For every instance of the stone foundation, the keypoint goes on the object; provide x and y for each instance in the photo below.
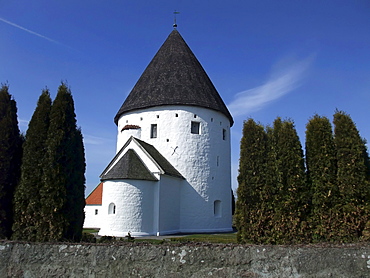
(191, 260)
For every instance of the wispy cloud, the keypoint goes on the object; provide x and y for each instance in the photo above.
(94, 140)
(28, 31)
(284, 78)
(23, 124)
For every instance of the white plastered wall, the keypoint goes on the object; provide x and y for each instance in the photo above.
(92, 220)
(169, 205)
(203, 159)
(134, 212)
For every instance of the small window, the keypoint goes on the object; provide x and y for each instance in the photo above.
(217, 210)
(153, 131)
(96, 212)
(195, 115)
(157, 116)
(218, 160)
(211, 119)
(176, 115)
(112, 208)
(195, 127)
(224, 134)
(141, 118)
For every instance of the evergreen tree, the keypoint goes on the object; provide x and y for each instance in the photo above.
(76, 191)
(27, 201)
(352, 179)
(321, 177)
(10, 159)
(63, 186)
(291, 198)
(253, 207)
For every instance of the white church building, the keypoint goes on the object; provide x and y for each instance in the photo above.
(172, 169)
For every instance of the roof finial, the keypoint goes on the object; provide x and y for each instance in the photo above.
(174, 19)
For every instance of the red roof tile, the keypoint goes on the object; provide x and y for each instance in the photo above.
(95, 197)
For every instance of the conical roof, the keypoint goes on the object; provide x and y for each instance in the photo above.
(174, 77)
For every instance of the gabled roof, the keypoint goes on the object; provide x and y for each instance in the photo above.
(130, 166)
(95, 197)
(174, 77)
(162, 162)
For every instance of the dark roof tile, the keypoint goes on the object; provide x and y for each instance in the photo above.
(166, 166)
(174, 77)
(129, 166)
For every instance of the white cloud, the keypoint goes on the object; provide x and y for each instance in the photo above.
(283, 80)
(23, 124)
(28, 31)
(94, 140)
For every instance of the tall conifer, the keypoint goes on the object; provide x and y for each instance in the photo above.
(321, 177)
(253, 210)
(291, 199)
(27, 203)
(64, 173)
(352, 178)
(10, 159)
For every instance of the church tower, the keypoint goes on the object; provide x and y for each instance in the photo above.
(172, 170)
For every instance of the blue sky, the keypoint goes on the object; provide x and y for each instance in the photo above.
(266, 58)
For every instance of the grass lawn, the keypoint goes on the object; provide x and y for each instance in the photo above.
(90, 231)
(206, 238)
(211, 238)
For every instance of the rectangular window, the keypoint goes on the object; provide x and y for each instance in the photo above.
(153, 131)
(96, 212)
(224, 134)
(195, 127)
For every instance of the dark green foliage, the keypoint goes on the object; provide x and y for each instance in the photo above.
(63, 186)
(27, 201)
(279, 202)
(232, 202)
(10, 159)
(253, 208)
(76, 190)
(352, 207)
(291, 198)
(87, 237)
(321, 177)
(272, 204)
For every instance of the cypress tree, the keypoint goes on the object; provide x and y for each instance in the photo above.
(352, 179)
(253, 211)
(64, 173)
(291, 198)
(321, 177)
(76, 191)
(10, 159)
(27, 201)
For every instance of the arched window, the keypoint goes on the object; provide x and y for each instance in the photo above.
(217, 210)
(112, 208)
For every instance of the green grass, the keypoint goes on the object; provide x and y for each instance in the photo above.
(90, 231)
(208, 238)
